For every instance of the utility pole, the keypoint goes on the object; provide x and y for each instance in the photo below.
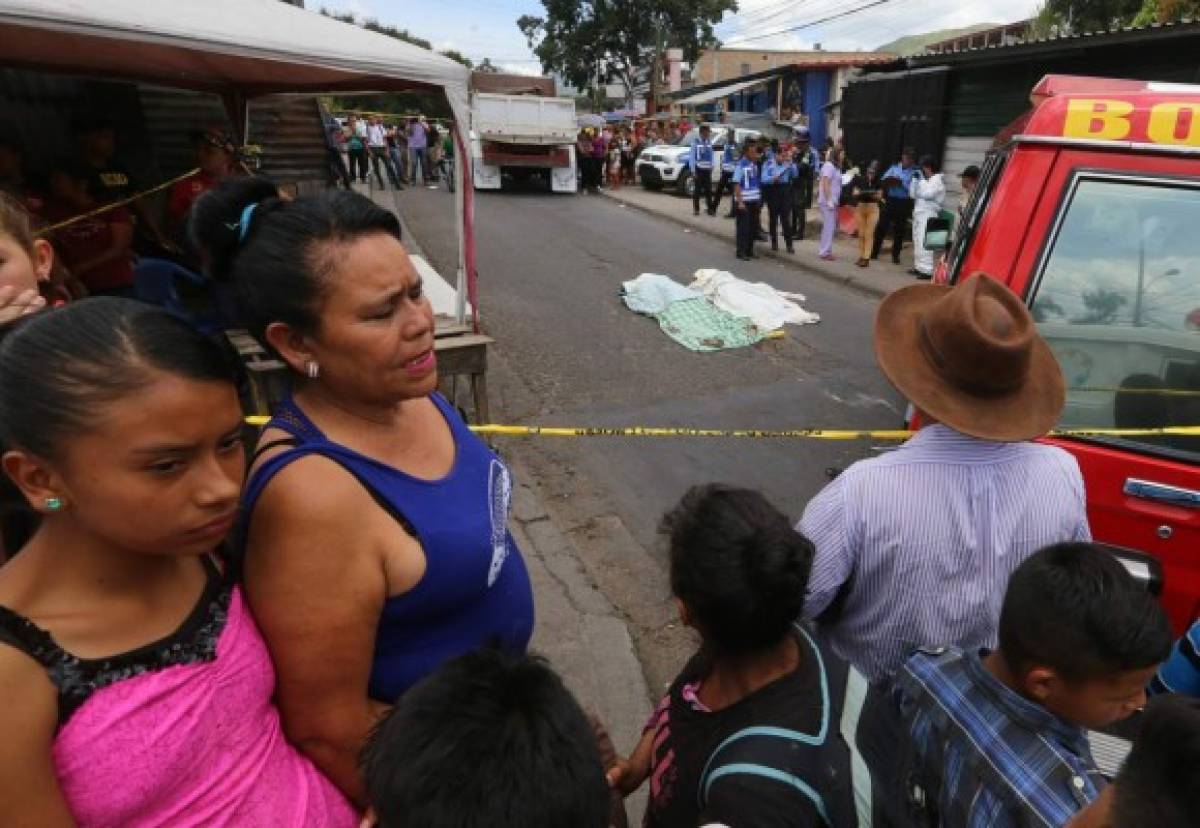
(656, 64)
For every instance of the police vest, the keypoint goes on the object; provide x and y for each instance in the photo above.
(747, 179)
(704, 154)
(727, 163)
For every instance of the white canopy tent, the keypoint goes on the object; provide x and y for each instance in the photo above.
(238, 49)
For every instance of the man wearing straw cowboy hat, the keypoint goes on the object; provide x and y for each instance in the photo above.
(915, 547)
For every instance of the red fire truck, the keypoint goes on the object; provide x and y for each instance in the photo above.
(1088, 207)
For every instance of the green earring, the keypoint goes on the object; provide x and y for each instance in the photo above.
(54, 504)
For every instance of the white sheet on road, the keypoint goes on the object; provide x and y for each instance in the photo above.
(769, 309)
(651, 293)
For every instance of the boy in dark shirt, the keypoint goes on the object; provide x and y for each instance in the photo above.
(748, 735)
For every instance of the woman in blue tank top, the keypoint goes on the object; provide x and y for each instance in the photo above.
(375, 523)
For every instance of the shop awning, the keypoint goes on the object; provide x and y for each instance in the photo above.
(720, 92)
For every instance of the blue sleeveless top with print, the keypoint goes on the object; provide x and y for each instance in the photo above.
(475, 591)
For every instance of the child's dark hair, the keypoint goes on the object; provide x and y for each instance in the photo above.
(278, 255)
(1074, 608)
(489, 740)
(1159, 783)
(738, 566)
(59, 368)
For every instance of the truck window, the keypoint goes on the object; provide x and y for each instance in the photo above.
(1118, 300)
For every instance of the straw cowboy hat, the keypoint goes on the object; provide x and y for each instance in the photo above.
(970, 357)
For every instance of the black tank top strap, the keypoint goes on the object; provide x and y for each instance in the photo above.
(290, 442)
(76, 679)
(19, 632)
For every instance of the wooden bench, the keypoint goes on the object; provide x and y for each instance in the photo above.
(266, 377)
(464, 353)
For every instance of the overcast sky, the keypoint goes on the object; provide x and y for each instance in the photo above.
(487, 28)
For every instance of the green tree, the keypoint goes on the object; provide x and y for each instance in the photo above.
(591, 42)
(458, 56)
(370, 24)
(1075, 16)
(1102, 307)
(1167, 11)
(486, 65)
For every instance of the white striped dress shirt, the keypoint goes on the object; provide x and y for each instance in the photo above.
(926, 537)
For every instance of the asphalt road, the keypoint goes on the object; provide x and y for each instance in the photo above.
(569, 353)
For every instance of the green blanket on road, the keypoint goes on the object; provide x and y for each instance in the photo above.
(699, 325)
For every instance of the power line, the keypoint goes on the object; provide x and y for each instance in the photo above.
(759, 18)
(809, 24)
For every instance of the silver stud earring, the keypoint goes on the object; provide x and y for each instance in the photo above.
(312, 369)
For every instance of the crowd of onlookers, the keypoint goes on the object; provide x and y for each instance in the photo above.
(329, 626)
(413, 151)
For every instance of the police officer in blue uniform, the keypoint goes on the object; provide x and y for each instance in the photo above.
(728, 165)
(700, 162)
(747, 197)
(777, 177)
(897, 204)
(808, 167)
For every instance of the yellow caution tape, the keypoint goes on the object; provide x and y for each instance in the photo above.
(798, 433)
(112, 206)
(1165, 392)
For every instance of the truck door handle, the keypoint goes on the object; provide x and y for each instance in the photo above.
(1161, 492)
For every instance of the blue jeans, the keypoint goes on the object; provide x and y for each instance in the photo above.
(399, 162)
(418, 160)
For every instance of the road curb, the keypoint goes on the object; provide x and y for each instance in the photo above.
(869, 288)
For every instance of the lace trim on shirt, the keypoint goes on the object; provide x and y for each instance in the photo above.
(78, 678)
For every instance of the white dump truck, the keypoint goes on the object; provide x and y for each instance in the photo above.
(521, 134)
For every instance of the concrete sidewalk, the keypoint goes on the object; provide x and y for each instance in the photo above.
(881, 278)
(579, 631)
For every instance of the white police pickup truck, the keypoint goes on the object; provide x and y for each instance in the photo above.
(665, 165)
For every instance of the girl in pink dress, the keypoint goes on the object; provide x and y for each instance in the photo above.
(136, 688)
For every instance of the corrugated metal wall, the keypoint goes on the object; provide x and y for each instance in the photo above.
(154, 124)
(287, 127)
(883, 114)
(171, 116)
(983, 99)
(38, 110)
(960, 153)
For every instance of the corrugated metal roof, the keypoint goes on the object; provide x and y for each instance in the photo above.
(1070, 41)
(860, 59)
(718, 92)
(820, 58)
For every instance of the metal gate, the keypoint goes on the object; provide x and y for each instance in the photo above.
(884, 113)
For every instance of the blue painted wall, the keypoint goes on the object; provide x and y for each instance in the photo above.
(816, 97)
(808, 90)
